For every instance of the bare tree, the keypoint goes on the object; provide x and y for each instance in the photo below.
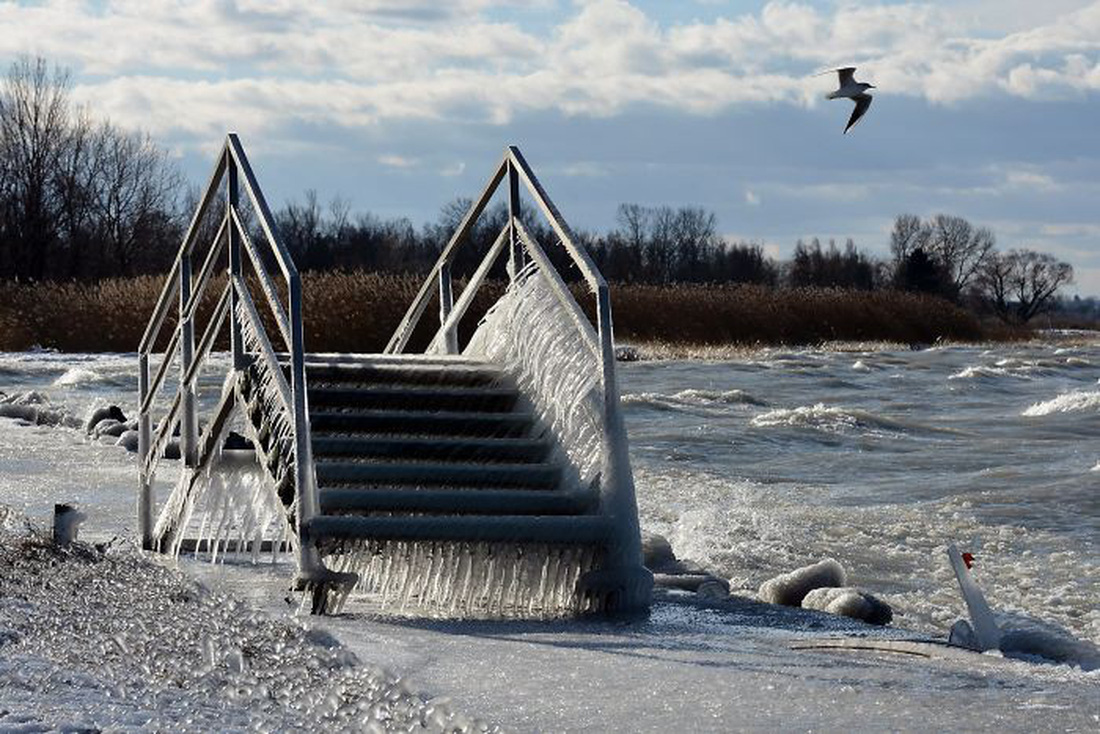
(1021, 284)
(34, 108)
(134, 194)
(960, 248)
(909, 234)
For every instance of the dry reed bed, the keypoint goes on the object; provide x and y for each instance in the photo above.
(358, 311)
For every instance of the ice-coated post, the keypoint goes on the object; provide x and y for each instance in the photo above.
(66, 523)
(515, 250)
(446, 303)
(232, 201)
(188, 430)
(145, 487)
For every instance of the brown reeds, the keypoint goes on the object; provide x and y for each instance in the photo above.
(358, 311)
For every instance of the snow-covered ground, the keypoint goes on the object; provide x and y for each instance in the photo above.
(124, 641)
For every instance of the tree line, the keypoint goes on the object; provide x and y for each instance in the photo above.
(85, 200)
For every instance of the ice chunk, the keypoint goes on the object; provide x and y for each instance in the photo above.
(848, 601)
(791, 588)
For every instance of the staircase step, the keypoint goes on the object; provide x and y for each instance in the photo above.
(542, 476)
(557, 529)
(403, 371)
(458, 501)
(437, 448)
(432, 423)
(403, 397)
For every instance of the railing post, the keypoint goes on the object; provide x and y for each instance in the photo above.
(189, 438)
(446, 303)
(232, 201)
(145, 487)
(515, 250)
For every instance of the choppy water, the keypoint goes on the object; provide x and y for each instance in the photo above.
(878, 459)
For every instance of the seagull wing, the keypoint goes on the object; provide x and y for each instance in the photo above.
(863, 103)
(847, 75)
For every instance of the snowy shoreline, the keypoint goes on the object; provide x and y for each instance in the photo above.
(118, 639)
(96, 638)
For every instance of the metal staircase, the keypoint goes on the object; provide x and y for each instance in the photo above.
(491, 481)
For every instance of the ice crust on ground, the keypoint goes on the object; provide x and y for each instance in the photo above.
(790, 589)
(93, 640)
(847, 601)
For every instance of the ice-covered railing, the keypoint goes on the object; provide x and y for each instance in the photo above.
(587, 417)
(531, 334)
(282, 436)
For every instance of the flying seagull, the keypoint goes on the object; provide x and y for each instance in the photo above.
(853, 90)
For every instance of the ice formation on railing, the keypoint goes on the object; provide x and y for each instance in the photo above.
(234, 509)
(468, 580)
(267, 412)
(530, 333)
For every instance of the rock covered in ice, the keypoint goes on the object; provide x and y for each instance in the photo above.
(848, 601)
(102, 414)
(791, 588)
(128, 440)
(35, 408)
(672, 572)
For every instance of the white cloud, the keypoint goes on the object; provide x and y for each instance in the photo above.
(752, 198)
(193, 70)
(392, 160)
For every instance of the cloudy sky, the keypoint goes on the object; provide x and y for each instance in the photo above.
(989, 109)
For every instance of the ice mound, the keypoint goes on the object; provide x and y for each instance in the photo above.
(117, 642)
(1041, 644)
(1070, 402)
(1034, 641)
(847, 601)
(825, 418)
(791, 588)
(35, 408)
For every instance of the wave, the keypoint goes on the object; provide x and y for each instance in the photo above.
(1070, 402)
(981, 371)
(77, 376)
(691, 399)
(826, 418)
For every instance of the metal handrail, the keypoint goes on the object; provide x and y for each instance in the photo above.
(617, 490)
(233, 166)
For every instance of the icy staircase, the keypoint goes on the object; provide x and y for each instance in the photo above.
(431, 447)
(487, 480)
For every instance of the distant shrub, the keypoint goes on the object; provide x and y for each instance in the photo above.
(359, 311)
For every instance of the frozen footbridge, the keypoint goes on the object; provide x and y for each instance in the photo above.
(485, 478)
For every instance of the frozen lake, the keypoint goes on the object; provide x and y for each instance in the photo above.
(878, 459)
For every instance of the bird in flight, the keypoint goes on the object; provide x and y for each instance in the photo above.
(853, 90)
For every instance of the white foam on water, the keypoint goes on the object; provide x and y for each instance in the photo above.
(77, 376)
(977, 372)
(692, 399)
(828, 418)
(1071, 402)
